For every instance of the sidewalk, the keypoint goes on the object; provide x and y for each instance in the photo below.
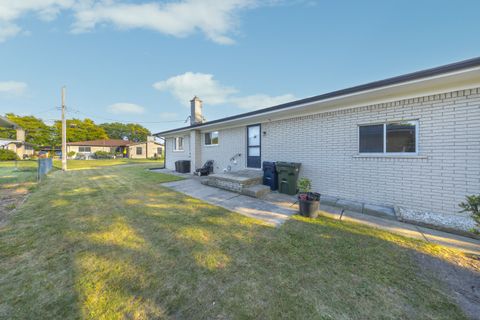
(276, 208)
(268, 212)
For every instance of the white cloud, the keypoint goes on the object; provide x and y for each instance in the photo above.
(10, 11)
(184, 86)
(13, 87)
(217, 20)
(125, 108)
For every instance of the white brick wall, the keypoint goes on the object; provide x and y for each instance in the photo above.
(172, 156)
(447, 169)
(231, 142)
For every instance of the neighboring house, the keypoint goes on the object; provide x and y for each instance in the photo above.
(128, 149)
(19, 146)
(411, 142)
(148, 149)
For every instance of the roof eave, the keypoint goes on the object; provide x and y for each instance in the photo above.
(424, 75)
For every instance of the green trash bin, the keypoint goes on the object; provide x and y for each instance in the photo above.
(287, 177)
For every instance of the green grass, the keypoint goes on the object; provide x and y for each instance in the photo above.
(113, 243)
(22, 172)
(90, 164)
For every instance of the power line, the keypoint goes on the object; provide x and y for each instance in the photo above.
(114, 120)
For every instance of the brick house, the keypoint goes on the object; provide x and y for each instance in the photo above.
(410, 142)
(22, 148)
(128, 149)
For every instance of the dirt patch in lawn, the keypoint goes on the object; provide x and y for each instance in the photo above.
(11, 196)
(460, 274)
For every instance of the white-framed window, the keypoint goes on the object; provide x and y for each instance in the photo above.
(84, 149)
(398, 137)
(211, 138)
(178, 144)
(139, 151)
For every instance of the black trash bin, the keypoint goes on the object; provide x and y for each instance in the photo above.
(287, 177)
(270, 177)
(182, 166)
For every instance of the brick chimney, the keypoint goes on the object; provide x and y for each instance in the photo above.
(196, 115)
(20, 134)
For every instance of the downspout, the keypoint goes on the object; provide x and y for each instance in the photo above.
(164, 153)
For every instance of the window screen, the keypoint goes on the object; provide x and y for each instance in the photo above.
(371, 139)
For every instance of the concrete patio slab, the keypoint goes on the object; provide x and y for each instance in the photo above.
(268, 212)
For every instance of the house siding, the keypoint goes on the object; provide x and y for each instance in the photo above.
(173, 156)
(447, 168)
(151, 148)
(92, 148)
(232, 141)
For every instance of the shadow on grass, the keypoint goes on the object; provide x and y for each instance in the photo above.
(133, 249)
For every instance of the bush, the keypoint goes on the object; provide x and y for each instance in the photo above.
(8, 155)
(71, 154)
(304, 185)
(472, 205)
(102, 155)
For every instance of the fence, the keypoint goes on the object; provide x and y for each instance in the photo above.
(44, 167)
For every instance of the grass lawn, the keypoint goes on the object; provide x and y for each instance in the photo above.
(16, 180)
(113, 243)
(90, 164)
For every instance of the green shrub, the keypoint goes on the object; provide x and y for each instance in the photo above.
(304, 185)
(71, 154)
(472, 205)
(102, 155)
(8, 155)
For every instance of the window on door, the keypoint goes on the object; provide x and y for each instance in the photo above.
(253, 146)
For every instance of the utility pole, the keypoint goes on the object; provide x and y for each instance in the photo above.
(64, 133)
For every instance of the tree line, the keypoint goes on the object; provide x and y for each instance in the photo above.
(38, 133)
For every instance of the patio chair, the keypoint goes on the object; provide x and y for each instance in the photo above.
(206, 169)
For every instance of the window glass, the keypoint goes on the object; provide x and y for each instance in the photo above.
(84, 149)
(254, 136)
(401, 137)
(371, 139)
(139, 151)
(159, 150)
(254, 151)
(178, 144)
(211, 138)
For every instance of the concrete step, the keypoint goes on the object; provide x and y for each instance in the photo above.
(256, 191)
(235, 181)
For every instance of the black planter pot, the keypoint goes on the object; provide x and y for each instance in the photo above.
(309, 208)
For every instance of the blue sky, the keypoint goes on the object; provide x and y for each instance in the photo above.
(142, 61)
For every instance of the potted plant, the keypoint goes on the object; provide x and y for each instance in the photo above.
(308, 202)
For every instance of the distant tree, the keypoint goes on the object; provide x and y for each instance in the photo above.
(131, 131)
(80, 130)
(36, 131)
